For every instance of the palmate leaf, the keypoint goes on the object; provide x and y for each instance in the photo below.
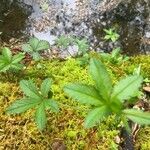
(138, 116)
(45, 87)
(40, 117)
(96, 115)
(29, 88)
(22, 105)
(126, 88)
(84, 94)
(101, 78)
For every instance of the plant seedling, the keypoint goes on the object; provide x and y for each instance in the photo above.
(111, 35)
(106, 99)
(39, 100)
(9, 62)
(64, 41)
(34, 46)
(115, 57)
(82, 46)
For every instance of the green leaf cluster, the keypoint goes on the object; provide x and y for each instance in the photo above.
(34, 46)
(111, 34)
(107, 99)
(65, 41)
(9, 62)
(40, 100)
(115, 57)
(83, 46)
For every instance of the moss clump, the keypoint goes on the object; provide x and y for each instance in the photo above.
(67, 125)
(143, 139)
(20, 131)
(134, 62)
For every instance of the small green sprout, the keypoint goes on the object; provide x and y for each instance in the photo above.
(8, 62)
(35, 46)
(35, 99)
(111, 35)
(83, 46)
(115, 57)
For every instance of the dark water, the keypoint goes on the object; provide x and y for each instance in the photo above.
(132, 21)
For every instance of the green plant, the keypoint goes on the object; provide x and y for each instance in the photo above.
(106, 99)
(84, 60)
(45, 5)
(8, 62)
(39, 100)
(114, 57)
(111, 35)
(64, 41)
(82, 46)
(34, 46)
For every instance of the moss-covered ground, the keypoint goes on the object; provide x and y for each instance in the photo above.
(20, 131)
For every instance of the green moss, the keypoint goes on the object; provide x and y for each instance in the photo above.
(134, 62)
(67, 125)
(143, 139)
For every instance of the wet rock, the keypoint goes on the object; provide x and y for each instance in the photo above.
(13, 16)
(87, 19)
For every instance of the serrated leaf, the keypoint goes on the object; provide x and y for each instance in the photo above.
(43, 45)
(51, 104)
(27, 48)
(17, 58)
(29, 88)
(16, 66)
(22, 105)
(2, 67)
(101, 77)
(138, 116)
(6, 52)
(34, 43)
(40, 117)
(96, 115)
(45, 87)
(84, 94)
(127, 87)
(36, 56)
(115, 53)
